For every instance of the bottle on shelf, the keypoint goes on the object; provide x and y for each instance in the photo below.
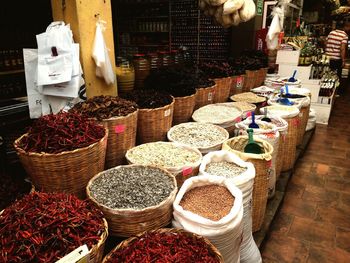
(142, 69)
(125, 75)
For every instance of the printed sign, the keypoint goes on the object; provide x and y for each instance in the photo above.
(259, 7)
(187, 171)
(119, 128)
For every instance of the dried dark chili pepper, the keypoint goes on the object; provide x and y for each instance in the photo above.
(55, 133)
(165, 247)
(23, 239)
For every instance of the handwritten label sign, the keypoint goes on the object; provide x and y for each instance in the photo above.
(269, 164)
(210, 96)
(79, 255)
(295, 122)
(167, 113)
(119, 128)
(239, 83)
(239, 119)
(187, 171)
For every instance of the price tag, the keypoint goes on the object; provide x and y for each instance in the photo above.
(119, 128)
(295, 122)
(187, 171)
(239, 119)
(79, 255)
(269, 164)
(210, 96)
(249, 114)
(239, 82)
(167, 113)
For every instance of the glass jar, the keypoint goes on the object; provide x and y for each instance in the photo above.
(125, 75)
(177, 57)
(155, 62)
(142, 69)
(166, 59)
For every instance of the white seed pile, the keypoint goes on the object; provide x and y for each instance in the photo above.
(243, 106)
(225, 169)
(198, 135)
(162, 154)
(132, 187)
(216, 114)
(249, 97)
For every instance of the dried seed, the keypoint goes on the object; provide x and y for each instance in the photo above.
(225, 169)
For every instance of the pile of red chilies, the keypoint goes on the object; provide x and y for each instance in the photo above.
(55, 133)
(45, 227)
(164, 248)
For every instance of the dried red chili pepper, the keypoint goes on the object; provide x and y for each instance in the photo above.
(55, 133)
(164, 248)
(23, 239)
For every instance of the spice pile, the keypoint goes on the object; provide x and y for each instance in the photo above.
(104, 107)
(163, 154)
(249, 97)
(11, 189)
(225, 169)
(45, 227)
(133, 187)
(216, 114)
(211, 201)
(148, 98)
(55, 133)
(198, 135)
(216, 69)
(164, 248)
(175, 81)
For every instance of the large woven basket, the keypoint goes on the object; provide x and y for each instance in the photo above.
(261, 75)
(304, 118)
(153, 124)
(250, 80)
(262, 163)
(222, 90)
(68, 171)
(121, 137)
(183, 109)
(290, 143)
(237, 84)
(205, 96)
(129, 241)
(97, 251)
(128, 222)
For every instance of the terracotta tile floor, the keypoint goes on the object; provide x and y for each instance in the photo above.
(313, 224)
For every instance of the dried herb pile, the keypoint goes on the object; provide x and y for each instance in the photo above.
(45, 227)
(60, 132)
(105, 107)
(216, 69)
(148, 98)
(164, 248)
(175, 81)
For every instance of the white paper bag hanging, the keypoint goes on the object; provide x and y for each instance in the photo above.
(55, 59)
(30, 59)
(100, 55)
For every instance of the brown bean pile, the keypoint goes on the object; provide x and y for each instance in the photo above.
(105, 107)
(211, 201)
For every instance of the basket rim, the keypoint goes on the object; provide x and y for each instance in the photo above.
(256, 139)
(160, 108)
(132, 239)
(222, 130)
(217, 122)
(186, 97)
(116, 117)
(130, 210)
(23, 152)
(210, 87)
(187, 147)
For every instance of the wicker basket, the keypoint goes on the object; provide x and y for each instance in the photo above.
(129, 241)
(262, 166)
(205, 96)
(121, 137)
(250, 80)
(304, 118)
(261, 75)
(128, 222)
(183, 109)
(222, 90)
(181, 173)
(68, 171)
(153, 124)
(237, 84)
(97, 252)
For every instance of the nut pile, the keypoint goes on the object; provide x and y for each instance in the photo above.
(198, 135)
(133, 187)
(163, 154)
(225, 169)
(211, 201)
(216, 114)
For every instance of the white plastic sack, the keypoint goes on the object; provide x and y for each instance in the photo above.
(100, 55)
(249, 250)
(225, 234)
(30, 60)
(272, 136)
(55, 59)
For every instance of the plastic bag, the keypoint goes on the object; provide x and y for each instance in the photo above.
(55, 59)
(225, 234)
(100, 55)
(249, 252)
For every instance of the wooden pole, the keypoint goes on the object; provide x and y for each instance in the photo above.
(82, 16)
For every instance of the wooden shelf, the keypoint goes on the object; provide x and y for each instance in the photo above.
(10, 72)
